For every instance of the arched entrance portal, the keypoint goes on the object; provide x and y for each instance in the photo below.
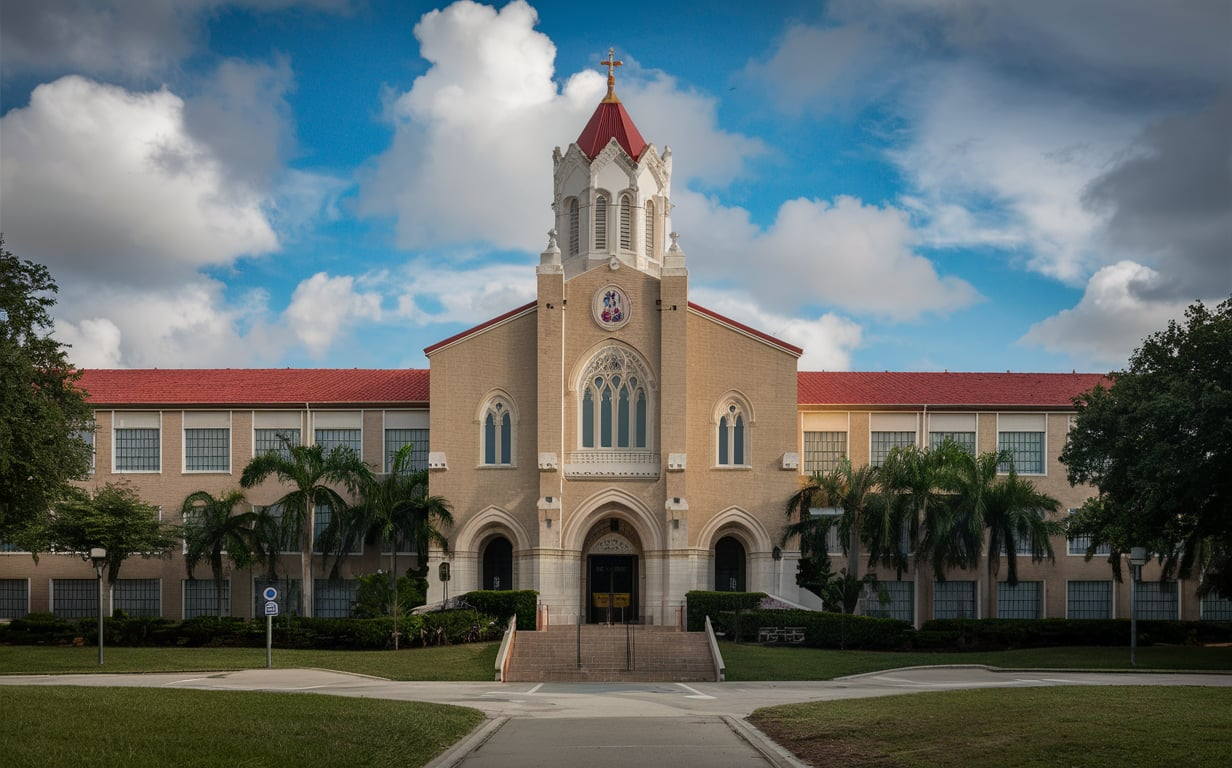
(611, 575)
(497, 564)
(729, 565)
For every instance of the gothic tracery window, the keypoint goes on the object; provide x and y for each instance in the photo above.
(498, 433)
(615, 401)
(733, 435)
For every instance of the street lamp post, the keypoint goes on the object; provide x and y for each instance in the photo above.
(1137, 559)
(98, 556)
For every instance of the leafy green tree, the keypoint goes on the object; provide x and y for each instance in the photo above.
(1016, 515)
(214, 531)
(116, 519)
(313, 477)
(1157, 447)
(846, 488)
(42, 412)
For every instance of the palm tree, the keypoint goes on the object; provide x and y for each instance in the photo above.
(212, 530)
(1016, 516)
(846, 488)
(313, 476)
(396, 510)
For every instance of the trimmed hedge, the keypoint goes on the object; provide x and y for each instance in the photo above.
(821, 629)
(996, 634)
(701, 604)
(505, 603)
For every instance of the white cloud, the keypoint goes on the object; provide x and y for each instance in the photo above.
(428, 294)
(323, 307)
(106, 184)
(1111, 320)
(844, 254)
(94, 342)
(828, 341)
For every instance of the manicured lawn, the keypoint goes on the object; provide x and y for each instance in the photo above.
(754, 662)
(1092, 727)
(472, 661)
(136, 727)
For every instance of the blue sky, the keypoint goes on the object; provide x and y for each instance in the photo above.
(891, 185)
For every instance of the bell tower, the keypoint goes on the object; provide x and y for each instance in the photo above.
(612, 193)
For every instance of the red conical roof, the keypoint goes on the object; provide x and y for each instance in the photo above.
(611, 121)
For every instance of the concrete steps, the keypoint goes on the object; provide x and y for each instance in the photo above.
(615, 653)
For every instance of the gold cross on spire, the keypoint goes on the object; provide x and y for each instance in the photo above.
(611, 65)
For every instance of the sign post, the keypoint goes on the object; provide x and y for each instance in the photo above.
(271, 610)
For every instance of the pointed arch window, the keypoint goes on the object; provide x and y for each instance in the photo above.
(733, 435)
(614, 403)
(498, 433)
(601, 223)
(648, 242)
(574, 218)
(626, 222)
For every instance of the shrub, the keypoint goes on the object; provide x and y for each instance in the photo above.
(821, 629)
(700, 604)
(40, 629)
(505, 603)
(998, 634)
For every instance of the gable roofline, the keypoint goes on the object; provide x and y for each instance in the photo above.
(258, 388)
(761, 336)
(486, 325)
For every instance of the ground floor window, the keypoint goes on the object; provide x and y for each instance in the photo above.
(954, 600)
(1024, 600)
(74, 598)
(1214, 607)
(1158, 600)
(1088, 600)
(201, 598)
(138, 597)
(14, 598)
(334, 598)
(899, 602)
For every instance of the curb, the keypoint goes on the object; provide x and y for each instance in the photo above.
(776, 755)
(473, 741)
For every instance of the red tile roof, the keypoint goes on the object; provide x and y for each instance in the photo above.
(255, 386)
(610, 121)
(944, 389)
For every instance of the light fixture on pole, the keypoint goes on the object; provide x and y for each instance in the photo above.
(1137, 559)
(98, 556)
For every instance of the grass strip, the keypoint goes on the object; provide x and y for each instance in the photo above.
(1094, 727)
(138, 727)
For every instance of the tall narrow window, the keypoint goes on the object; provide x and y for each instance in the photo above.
(733, 436)
(600, 223)
(648, 242)
(497, 433)
(573, 226)
(626, 222)
(614, 401)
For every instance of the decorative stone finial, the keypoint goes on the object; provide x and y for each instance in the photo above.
(611, 65)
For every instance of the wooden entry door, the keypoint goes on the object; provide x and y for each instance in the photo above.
(612, 593)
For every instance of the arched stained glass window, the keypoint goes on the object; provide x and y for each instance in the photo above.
(497, 433)
(614, 401)
(600, 223)
(733, 436)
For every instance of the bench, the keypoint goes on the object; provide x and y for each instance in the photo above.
(781, 635)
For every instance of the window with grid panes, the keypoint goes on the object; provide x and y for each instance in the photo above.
(1027, 449)
(901, 603)
(75, 598)
(138, 597)
(954, 600)
(14, 598)
(137, 449)
(395, 439)
(272, 516)
(87, 436)
(1158, 600)
(1024, 600)
(1088, 600)
(883, 442)
(322, 520)
(201, 597)
(964, 440)
(207, 450)
(1214, 607)
(334, 598)
(329, 439)
(823, 450)
(834, 542)
(1077, 545)
(274, 440)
